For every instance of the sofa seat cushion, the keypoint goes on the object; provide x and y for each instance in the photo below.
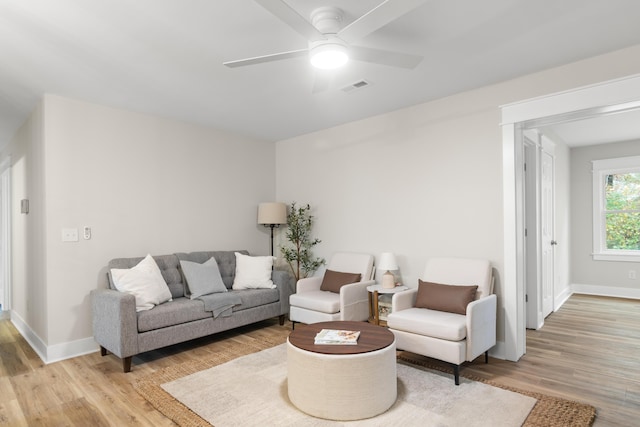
(431, 323)
(322, 301)
(180, 310)
(255, 297)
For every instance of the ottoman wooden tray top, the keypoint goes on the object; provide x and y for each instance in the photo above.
(342, 382)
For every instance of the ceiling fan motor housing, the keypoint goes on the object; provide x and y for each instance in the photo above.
(330, 52)
(327, 20)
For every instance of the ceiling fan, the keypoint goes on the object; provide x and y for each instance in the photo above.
(329, 45)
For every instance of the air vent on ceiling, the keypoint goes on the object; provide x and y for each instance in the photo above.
(357, 85)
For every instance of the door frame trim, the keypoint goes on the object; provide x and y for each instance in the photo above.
(5, 233)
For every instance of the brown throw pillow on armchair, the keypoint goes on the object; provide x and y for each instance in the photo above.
(450, 298)
(334, 280)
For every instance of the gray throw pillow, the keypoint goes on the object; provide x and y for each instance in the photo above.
(202, 279)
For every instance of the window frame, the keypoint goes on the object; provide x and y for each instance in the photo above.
(600, 169)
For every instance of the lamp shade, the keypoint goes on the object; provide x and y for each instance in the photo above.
(387, 262)
(272, 213)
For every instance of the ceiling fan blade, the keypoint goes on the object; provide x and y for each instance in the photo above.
(384, 57)
(322, 81)
(292, 18)
(385, 12)
(266, 58)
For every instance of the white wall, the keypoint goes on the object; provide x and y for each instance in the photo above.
(28, 281)
(144, 184)
(425, 180)
(589, 276)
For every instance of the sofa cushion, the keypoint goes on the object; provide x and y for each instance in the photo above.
(431, 323)
(253, 272)
(332, 281)
(451, 298)
(180, 310)
(144, 281)
(168, 265)
(226, 262)
(322, 301)
(202, 279)
(255, 298)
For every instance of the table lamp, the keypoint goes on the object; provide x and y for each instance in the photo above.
(388, 263)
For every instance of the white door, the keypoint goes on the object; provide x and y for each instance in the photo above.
(532, 219)
(547, 231)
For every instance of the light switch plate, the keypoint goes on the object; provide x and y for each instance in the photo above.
(69, 234)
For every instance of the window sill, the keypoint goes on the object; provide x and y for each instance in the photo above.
(624, 257)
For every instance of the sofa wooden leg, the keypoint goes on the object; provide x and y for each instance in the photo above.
(486, 356)
(126, 364)
(281, 319)
(103, 351)
(293, 325)
(456, 374)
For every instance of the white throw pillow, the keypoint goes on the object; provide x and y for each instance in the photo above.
(144, 281)
(253, 272)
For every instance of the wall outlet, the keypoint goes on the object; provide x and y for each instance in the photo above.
(632, 274)
(69, 234)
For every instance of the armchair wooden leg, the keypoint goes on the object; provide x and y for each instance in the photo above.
(103, 351)
(456, 374)
(281, 319)
(126, 364)
(486, 356)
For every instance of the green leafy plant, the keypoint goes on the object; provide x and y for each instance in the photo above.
(298, 254)
(622, 205)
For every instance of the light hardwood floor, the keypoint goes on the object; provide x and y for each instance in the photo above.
(587, 351)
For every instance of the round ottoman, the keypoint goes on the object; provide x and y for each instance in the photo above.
(342, 382)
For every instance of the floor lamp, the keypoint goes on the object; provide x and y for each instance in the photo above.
(272, 215)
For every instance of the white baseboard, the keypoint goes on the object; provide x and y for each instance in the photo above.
(605, 291)
(56, 352)
(30, 336)
(70, 349)
(561, 298)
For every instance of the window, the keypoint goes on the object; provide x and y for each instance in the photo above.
(616, 209)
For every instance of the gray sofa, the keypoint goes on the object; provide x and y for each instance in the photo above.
(119, 329)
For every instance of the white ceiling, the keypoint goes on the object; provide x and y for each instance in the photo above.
(601, 129)
(165, 56)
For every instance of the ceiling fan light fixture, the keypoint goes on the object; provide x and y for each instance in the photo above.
(329, 55)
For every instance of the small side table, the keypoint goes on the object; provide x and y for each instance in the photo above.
(374, 293)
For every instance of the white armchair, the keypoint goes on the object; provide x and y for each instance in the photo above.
(311, 304)
(447, 336)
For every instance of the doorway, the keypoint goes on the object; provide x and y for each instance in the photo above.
(5, 236)
(592, 101)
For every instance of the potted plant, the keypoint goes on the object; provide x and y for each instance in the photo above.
(298, 254)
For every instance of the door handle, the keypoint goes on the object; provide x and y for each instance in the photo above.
(553, 242)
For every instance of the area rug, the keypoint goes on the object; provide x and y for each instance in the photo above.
(253, 403)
